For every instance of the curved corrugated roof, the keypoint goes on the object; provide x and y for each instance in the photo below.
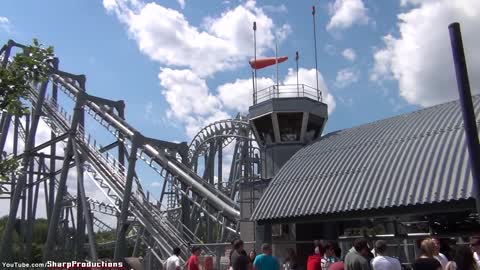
(411, 159)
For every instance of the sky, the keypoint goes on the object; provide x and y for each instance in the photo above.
(182, 64)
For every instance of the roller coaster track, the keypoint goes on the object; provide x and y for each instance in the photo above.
(159, 229)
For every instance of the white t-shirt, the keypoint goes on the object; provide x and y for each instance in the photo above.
(385, 263)
(477, 258)
(442, 259)
(172, 263)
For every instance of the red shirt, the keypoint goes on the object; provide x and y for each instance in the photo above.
(336, 266)
(193, 263)
(314, 262)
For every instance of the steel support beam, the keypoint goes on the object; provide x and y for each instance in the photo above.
(6, 117)
(6, 243)
(121, 244)
(468, 111)
(52, 226)
(85, 210)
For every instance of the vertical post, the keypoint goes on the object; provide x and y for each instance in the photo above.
(296, 60)
(315, 45)
(468, 111)
(121, 146)
(6, 241)
(53, 151)
(276, 63)
(15, 152)
(30, 218)
(121, 243)
(8, 117)
(85, 211)
(55, 215)
(81, 206)
(253, 92)
(255, 54)
(220, 161)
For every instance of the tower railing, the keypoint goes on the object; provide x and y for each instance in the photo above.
(287, 91)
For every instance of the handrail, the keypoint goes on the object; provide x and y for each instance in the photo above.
(287, 91)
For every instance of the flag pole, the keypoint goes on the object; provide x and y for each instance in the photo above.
(315, 44)
(276, 63)
(296, 60)
(255, 56)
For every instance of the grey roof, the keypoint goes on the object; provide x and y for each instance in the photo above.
(413, 159)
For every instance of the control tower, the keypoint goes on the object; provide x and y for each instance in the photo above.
(284, 118)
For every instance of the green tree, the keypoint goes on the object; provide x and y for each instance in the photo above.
(31, 66)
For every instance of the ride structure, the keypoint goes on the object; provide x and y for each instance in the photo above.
(88, 137)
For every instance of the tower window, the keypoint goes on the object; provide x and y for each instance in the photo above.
(264, 128)
(314, 127)
(290, 125)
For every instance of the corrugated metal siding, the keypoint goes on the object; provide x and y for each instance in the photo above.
(411, 159)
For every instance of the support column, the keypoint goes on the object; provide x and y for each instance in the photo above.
(121, 243)
(52, 226)
(6, 120)
(53, 151)
(85, 212)
(6, 243)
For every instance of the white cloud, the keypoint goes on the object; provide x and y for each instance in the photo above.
(307, 76)
(420, 59)
(166, 36)
(349, 54)
(239, 95)
(346, 77)
(5, 24)
(346, 13)
(189, 99)
(187, 93)
(189, 54)
(277, 9)
(181, 3)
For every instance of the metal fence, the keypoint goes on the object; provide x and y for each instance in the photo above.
(286, 91)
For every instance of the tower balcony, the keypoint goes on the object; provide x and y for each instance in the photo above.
(286, 91)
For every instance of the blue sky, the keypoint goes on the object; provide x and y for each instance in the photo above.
(181, 64)
(96, 39)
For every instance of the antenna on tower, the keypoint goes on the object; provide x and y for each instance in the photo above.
(296, 60)
(255, 58)
(315, 45)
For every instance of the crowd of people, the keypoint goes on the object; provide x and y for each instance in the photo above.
(327, 255)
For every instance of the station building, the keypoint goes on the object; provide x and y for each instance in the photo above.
(398, 179)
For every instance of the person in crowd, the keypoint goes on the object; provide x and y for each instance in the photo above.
(291, 260)
(239, 258)
(462, 259)
(338, 265)
(437, 255)
(382, 261)
(232, 246)
(251, 257)
(427, 261)
(314, 262)
(475, 246)
(329, 255)
(357, 256)
(192, 263)
(173, 262)
(266, 261)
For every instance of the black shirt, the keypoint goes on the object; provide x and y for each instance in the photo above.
(240, 260)
(426, 264)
